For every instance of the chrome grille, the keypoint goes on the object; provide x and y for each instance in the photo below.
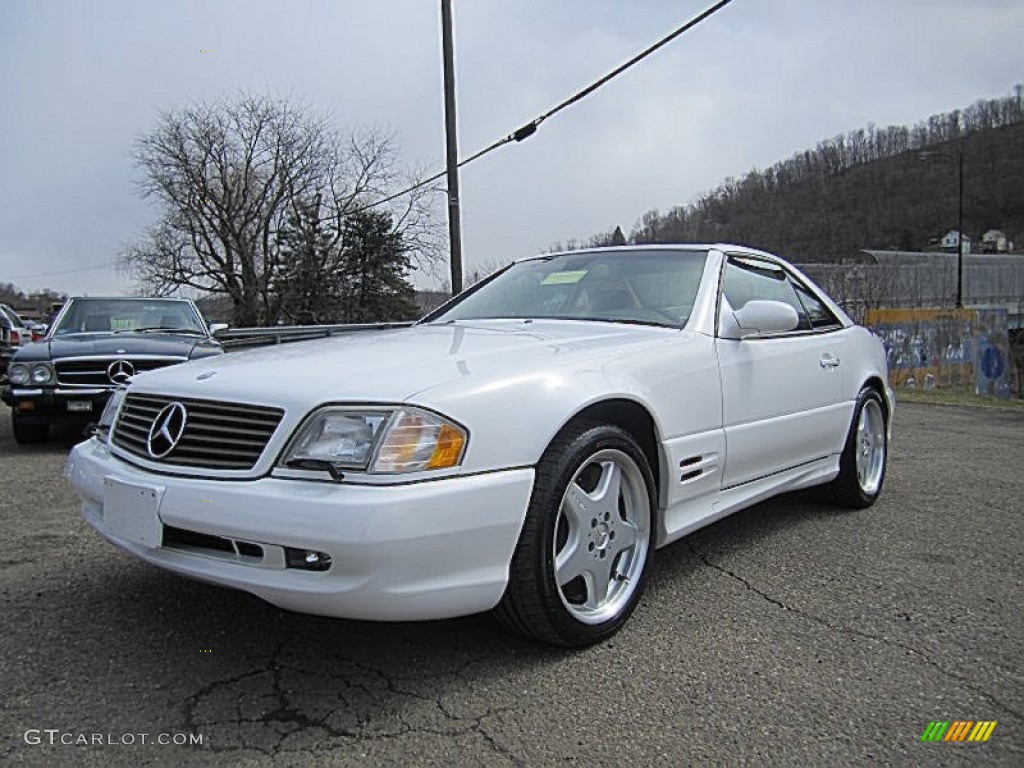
(217, 435)
(92, 372)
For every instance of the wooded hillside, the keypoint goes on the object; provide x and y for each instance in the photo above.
(868, 189)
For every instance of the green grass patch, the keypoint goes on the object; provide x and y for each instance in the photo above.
(952, 397)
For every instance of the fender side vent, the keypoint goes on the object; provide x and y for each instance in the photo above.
(694, 467)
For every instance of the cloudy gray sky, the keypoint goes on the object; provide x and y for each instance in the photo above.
(79, 81)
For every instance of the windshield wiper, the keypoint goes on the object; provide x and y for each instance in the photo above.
(634, 321)
(164, 329)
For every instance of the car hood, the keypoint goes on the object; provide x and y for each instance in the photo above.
(394, 365)
(113, 345)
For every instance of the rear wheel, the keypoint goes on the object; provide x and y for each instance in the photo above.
(581, 561)
(29, 432)
(863, 462)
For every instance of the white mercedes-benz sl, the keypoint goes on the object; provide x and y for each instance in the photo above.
(525, 448)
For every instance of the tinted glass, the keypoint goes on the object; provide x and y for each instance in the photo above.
(652, 287)
(820, 315)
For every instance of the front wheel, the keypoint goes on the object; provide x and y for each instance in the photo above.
(579, 567)
(865, 456)
(29, 432)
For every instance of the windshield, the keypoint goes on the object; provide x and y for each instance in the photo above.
(121, 315)
(648, 287)
(11, 315)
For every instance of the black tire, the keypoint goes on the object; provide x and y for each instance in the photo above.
(865, 456)
(29, 432)
(593, 485)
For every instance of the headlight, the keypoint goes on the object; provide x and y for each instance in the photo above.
(386, 440)
(18, 374)
(41, 374)
(342, 438)
(109, 414)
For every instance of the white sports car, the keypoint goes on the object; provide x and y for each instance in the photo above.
(524, 448)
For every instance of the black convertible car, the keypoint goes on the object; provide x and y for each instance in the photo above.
(94, 346)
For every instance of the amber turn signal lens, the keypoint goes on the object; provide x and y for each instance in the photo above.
(448, 450)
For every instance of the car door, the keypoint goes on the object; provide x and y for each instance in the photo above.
(782, 392)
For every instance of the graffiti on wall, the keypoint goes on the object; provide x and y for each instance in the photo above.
(966, 349)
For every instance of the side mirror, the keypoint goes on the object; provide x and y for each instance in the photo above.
(758, 318)
(216, 328)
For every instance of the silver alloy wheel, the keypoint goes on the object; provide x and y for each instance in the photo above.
(870, 447)
(602, 534)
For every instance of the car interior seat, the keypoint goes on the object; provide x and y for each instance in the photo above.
(610, 297)
(97, 323)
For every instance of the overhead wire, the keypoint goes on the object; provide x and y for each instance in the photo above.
(530, 128)
(107, 265)
(524, 131)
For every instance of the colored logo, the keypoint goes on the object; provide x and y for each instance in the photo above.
(959, 730)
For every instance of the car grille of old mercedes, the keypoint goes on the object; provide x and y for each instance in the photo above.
(216, 435)
(95, 372)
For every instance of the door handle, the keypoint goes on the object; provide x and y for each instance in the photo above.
(828, 361)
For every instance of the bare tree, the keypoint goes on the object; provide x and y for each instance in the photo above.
(483, 270)
(229, 174)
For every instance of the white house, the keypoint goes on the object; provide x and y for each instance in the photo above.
(952, 238)
(994, 241)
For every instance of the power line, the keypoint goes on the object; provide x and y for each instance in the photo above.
(530, 128)
(521, 133)
(108, 265)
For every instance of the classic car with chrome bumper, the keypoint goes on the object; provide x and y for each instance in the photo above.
(93, 346)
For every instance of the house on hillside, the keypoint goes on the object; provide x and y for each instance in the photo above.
(994, 241)
(952, 238)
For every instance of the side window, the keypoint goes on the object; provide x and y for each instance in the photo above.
(749, 279)
(820, 315)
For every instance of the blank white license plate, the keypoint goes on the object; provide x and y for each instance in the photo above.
(130, 511)
(79, 405)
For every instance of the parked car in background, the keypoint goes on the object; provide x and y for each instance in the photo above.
(20, 333)
(37, 329)
(5, 346)
(524, 448)
(94, 346)
(14, 334)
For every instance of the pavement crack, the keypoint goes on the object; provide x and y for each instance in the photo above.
(360, 703)
(833, 627)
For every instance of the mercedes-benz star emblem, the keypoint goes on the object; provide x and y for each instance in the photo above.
(120, 371)
(166, 431)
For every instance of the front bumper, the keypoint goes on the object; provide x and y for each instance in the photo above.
(46, 405)
(425, 550)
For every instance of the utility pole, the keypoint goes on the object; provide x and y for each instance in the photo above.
(958, 158)
(451, 146)
(960, 233)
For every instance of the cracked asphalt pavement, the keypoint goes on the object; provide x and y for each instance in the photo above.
(792, 633)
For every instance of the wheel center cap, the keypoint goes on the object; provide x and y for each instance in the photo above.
(601, 536)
